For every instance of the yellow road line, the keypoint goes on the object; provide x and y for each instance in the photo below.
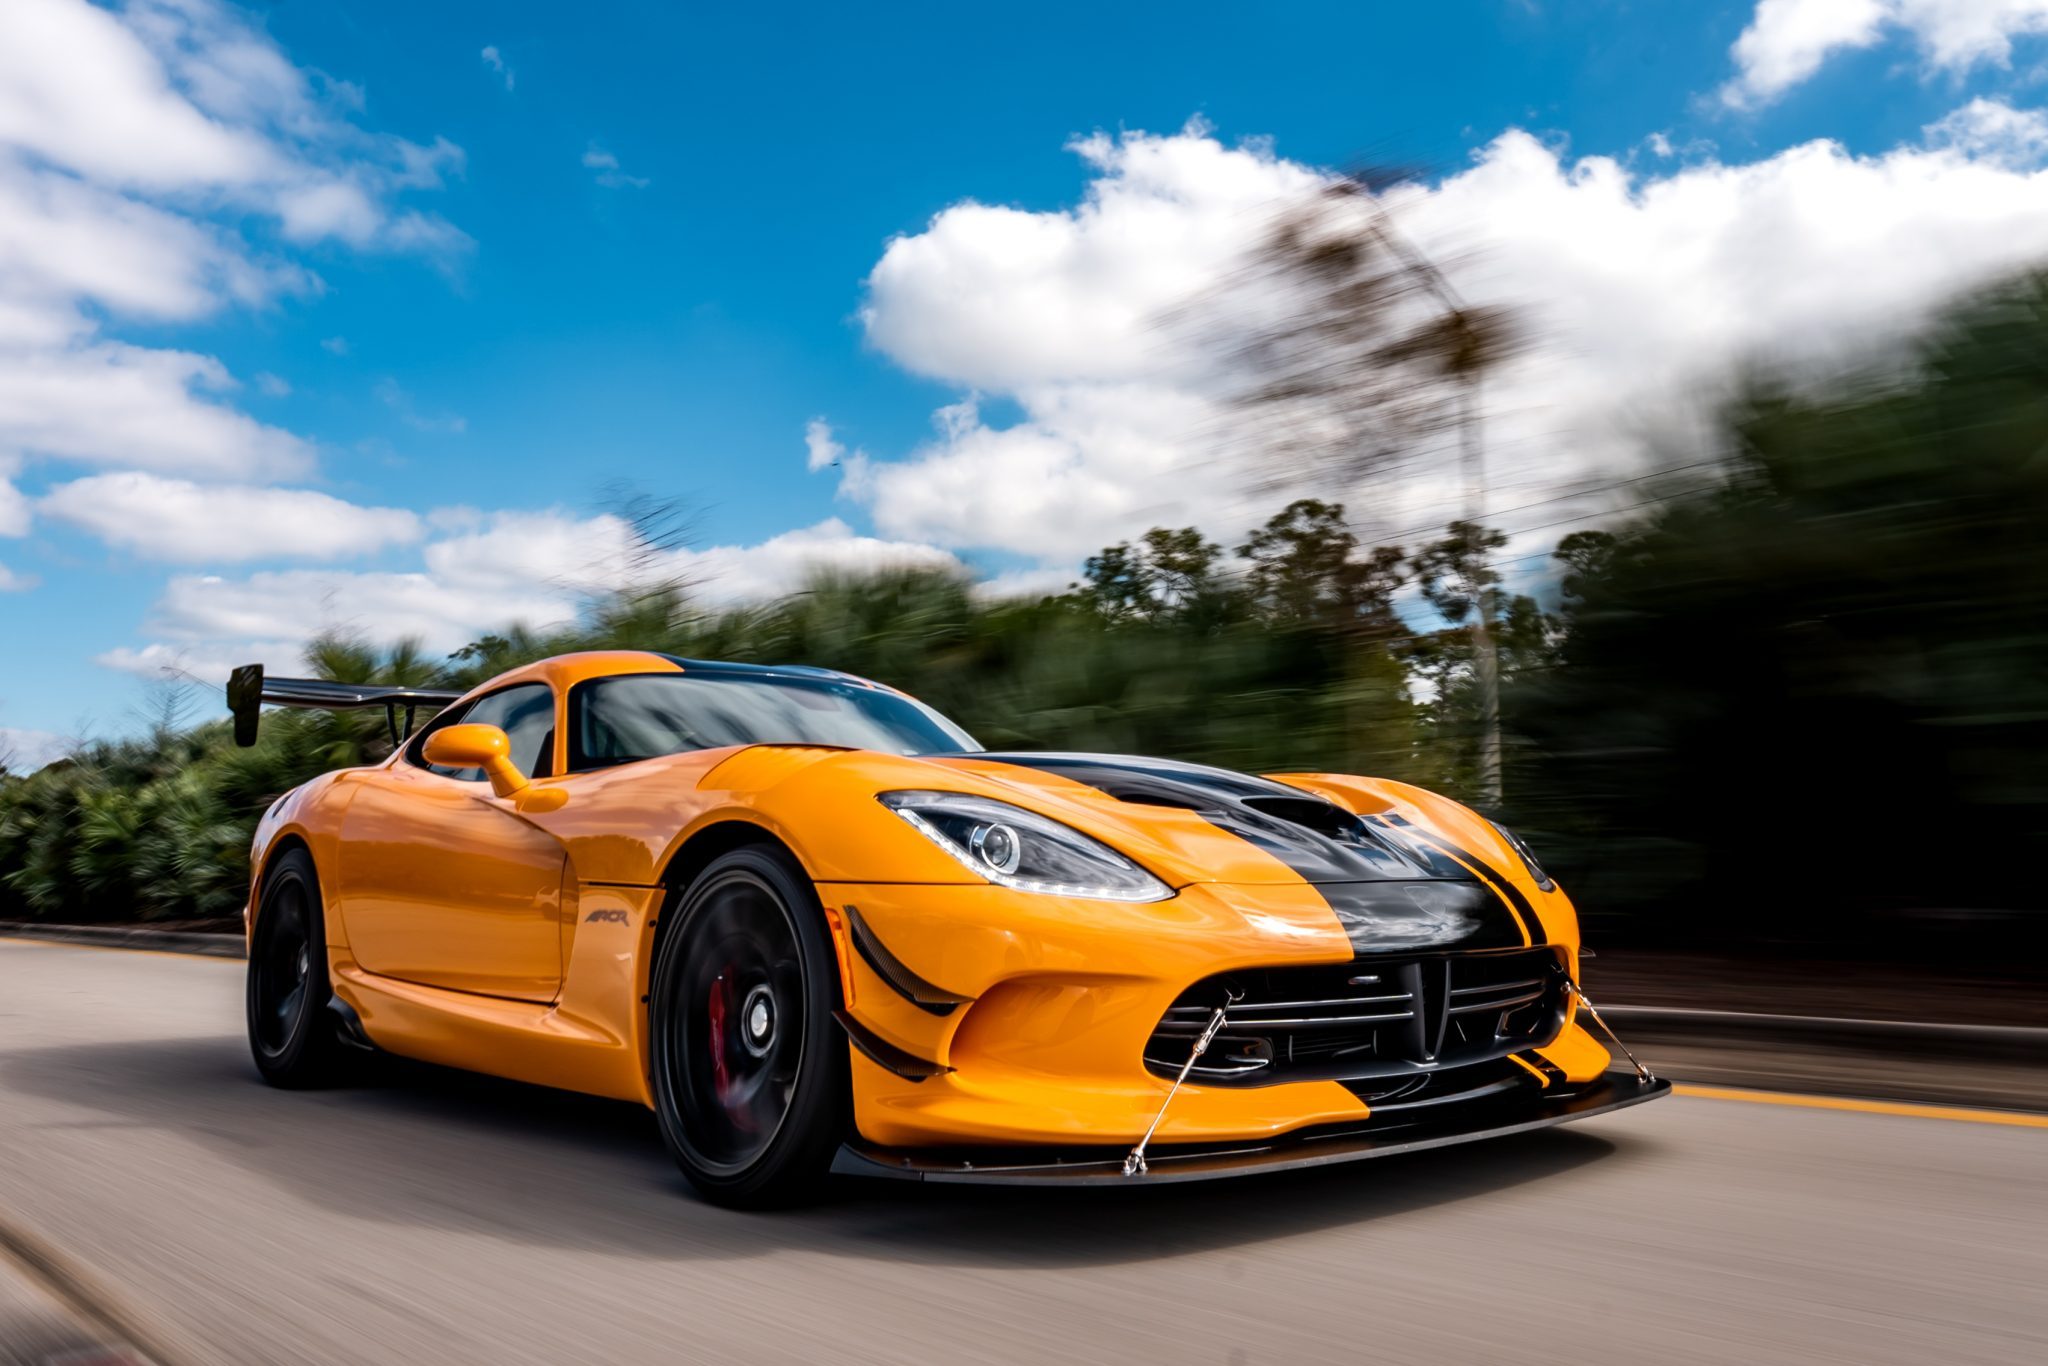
(7, 939)
(1867, 1107)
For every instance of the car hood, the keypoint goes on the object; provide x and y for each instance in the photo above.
(1134, 802)
(1394, 882)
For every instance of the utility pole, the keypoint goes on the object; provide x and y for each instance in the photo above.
(1351, 368)
(1485, 652)
(1466, 356)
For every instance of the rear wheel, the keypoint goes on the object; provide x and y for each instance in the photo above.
(289, 1033)
(749, 1072)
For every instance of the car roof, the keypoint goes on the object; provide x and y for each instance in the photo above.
(566, 671)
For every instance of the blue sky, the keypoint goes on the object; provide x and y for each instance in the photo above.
(441, 291)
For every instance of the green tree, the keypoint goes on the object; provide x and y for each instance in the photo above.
(1305, 570)
(1811, 703)
(1171, 574)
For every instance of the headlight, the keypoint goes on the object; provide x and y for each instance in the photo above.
(1528, 859)
(1022, 850)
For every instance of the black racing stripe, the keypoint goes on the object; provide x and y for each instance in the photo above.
(1317, 838)
(1525, 914)
(1390, 891)
(1400, 832)
(1435, 914)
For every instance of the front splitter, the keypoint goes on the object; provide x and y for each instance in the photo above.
(1097, 1166)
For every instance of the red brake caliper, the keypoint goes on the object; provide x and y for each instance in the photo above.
(719, 1081)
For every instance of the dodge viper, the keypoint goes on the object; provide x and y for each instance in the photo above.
(816, 928)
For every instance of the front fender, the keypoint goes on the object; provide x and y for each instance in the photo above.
(309, 814)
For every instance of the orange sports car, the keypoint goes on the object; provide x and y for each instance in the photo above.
(817, 929)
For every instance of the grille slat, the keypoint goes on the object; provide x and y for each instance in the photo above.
(1505, 1003)
(1497, 986)
(1248, 1010)
(1307, 1023)
(1282, 1022)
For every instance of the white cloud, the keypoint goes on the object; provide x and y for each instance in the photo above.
(1993, 131)
(608, 173)
(197, 611)
(272, 386)
(733, 574)
(1005, 299)
(1091, 463)
(554, 551)
(535, 568)
(186, 523)
(64, 240)
(495, 60)
(210, 665)
(580, 556)
(183, 96)
(1061, 311)
(821, 449)
(81, 89)
(13, 582)
(334, 346)
(1026, 583)
(151, 408)
(1640, 288)
(14, 508)
(25, 751)
(1786, 41)
(136, 144)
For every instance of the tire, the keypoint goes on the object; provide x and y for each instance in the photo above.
(750, 1074)
(290, 1035)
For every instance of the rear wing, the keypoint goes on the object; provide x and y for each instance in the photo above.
(249, 690)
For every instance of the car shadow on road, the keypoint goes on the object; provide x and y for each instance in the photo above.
(417, 1145)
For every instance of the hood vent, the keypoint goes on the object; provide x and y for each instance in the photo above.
(1313, 813)
(1140, 789)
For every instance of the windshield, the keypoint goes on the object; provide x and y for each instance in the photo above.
(639, 716)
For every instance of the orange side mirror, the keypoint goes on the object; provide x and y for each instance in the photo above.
(477, 746)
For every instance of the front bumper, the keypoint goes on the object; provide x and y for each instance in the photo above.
(1395, 1133)
(1061, 998)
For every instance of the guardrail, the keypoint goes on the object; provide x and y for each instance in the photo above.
(130, 937)
(1678, 1023)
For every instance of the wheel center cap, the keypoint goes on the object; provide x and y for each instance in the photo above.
(757, 1018)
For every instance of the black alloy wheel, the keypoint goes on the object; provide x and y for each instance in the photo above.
(290, 1036)
(749, 1068)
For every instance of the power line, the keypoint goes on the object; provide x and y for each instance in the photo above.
(1567, 521)
(1564, 498)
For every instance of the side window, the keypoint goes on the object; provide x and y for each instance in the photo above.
(526, 714)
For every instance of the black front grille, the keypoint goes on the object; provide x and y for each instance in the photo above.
(1367, 1019)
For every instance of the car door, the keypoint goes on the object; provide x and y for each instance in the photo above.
(446, 884)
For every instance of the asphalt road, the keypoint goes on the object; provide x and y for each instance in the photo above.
(426, 1216)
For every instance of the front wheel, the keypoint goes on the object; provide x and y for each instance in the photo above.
(288, 989)
(749, 1073)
